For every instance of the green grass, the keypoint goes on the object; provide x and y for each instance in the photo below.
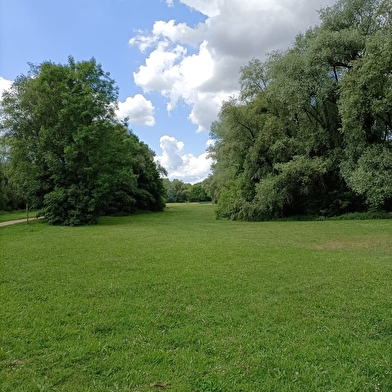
(178, 301)
(7, 216)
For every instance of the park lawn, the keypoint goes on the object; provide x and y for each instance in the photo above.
(12, 215)
(178, 301)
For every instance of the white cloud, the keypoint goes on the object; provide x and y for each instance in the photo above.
(205, 107)
(180, 32)
(159, 72)
(206, 7)
(4, 85)
(138, 109)
(172, 151)
(210, 142)
(186, 167)
(200, 64)
(176, 75)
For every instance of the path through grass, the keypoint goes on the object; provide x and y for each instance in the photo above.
(178, 301)
(7, 216)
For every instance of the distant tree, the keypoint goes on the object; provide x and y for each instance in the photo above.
(180, 191)
(68, 153)
(198, 193)
(169, 193)
(177, 191)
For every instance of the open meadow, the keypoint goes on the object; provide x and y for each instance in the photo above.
(178, 301)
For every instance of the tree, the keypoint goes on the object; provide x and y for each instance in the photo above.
(68, 153)
(198, 193)
(10, 197)
(150, 190)
(178, 191)
(310, 132)
(3, 195)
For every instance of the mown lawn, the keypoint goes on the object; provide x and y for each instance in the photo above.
(7, 216)
(178, 301)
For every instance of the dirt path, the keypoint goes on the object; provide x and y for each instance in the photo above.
(12, 222)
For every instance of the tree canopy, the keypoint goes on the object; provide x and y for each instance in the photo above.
(178, 191)
(311, 131)
(66, 151)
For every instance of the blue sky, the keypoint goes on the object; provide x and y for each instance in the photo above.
(174, 61)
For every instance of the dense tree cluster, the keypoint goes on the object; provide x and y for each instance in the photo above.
(311, 131)
(64, 151)
(178, 191)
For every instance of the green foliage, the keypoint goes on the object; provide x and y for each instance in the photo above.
(372, 175)
(278, 306)
(311, 131)
(232, 204)
(179, 192)
(150, 192)
(3, 196)
(10, 198)
(198, 193)
(370, 215)
(68, 153)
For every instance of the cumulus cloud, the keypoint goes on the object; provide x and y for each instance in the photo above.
(206, 7)
(179, 32)
(200, 64)
(138, 109)
(186, 167)
(172, 152)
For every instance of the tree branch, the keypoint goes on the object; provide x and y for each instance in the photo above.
(248, 128)
(340, 64)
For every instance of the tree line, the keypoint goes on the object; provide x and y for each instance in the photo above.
(178, 191)
(311, 131)
(64, 152)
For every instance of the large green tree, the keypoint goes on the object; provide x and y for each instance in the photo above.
(69, 154)
(310, 132)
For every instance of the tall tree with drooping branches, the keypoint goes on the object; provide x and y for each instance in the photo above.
(310, 132)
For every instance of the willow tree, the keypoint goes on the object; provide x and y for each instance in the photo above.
(310, 132)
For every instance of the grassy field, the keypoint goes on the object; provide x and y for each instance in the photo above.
(7, 216)
(178, 301)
